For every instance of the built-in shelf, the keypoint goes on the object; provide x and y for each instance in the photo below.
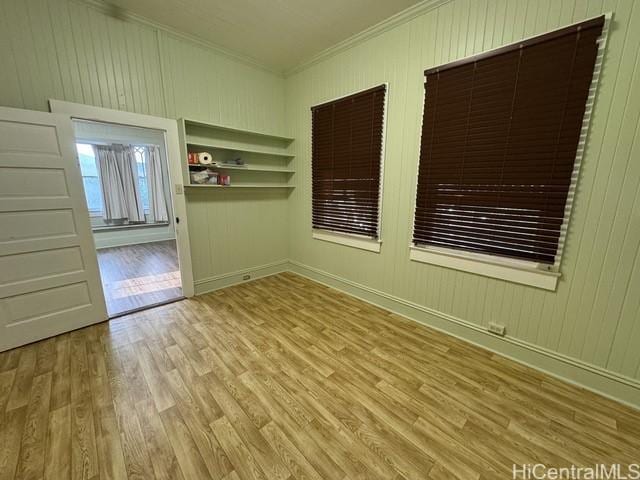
(265, 155)
(232, 148)
(248, 168)
(225, 128)
(242, 185)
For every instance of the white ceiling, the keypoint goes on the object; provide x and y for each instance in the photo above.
(276, 33)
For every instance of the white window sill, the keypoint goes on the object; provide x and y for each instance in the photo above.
(487, 265)
(354, 241)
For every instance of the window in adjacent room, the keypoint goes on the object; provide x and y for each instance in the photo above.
(347, 149)
(502, 138)
(142, 176)
(90, 178)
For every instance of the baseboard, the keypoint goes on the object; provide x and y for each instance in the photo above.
(118, 238)
(209, 284)
(609, 384)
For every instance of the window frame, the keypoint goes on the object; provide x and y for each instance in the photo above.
(526, 272)
(354, 240)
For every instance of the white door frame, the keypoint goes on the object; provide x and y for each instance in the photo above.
(174, 159)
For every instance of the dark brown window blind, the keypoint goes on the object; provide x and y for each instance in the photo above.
(500, 134)
(346, 156)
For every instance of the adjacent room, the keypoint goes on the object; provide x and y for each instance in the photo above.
(359, 239)
(126, 185)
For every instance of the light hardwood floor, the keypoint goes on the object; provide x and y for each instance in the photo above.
(135, 276)
(283, 378)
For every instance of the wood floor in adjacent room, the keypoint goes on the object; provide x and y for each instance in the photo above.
(284, 378)
(136, 276)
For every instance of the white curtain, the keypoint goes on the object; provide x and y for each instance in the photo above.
(155, 184)
(119, 183)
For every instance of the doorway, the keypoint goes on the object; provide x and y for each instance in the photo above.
(144, 260)
(125, 175)
(50, 277)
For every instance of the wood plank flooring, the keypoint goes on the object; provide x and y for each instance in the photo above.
(135, 276)
(283, 378)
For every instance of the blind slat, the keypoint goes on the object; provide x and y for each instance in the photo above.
(346, 156)
(500, 134)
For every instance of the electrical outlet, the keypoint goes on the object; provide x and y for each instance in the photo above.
(246, 277)
(497, 329)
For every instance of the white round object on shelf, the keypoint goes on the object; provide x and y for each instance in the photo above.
(205, 158)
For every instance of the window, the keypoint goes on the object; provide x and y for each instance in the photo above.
(347, 143)
(500, 137)
(142, 176)
(91, 180)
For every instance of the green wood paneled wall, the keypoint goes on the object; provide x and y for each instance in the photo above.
(594, 316)
(67, 50)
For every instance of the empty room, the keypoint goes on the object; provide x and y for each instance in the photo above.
(296, 239)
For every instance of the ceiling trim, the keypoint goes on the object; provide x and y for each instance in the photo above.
(373, 31)
(134, 17)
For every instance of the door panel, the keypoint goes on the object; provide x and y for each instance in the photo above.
(49, 278)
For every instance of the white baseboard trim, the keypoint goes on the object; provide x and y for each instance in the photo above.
(118, 238)
(209, 284)
(609, 384)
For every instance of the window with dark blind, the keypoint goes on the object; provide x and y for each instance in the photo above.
(500, 135)
(346, 163)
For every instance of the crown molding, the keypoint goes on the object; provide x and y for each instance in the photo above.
(135, 18)
(398, 19)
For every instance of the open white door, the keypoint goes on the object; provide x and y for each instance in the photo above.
(49, 279)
